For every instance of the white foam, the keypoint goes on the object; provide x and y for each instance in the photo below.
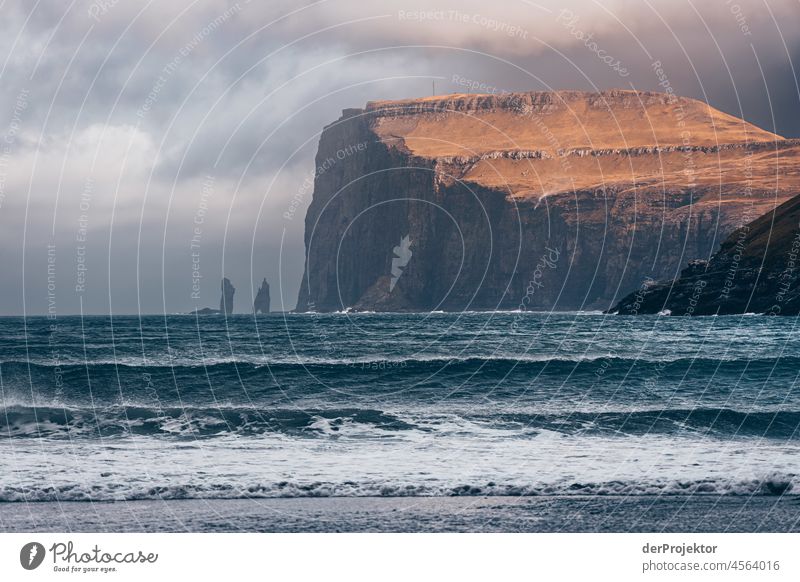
(459, 459)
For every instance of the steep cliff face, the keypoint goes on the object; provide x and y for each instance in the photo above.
(561, 200)
(755, 271)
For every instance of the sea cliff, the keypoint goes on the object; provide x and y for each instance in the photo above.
(538, 201)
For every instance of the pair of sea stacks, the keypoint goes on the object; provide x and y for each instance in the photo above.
(260, 305)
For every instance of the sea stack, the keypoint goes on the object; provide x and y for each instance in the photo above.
(529, 201)
(261, 304)
(226, 301)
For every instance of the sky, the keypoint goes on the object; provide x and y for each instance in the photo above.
(147, 149)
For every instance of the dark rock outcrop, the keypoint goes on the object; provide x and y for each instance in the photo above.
(542, 201)
(226, 300)
(261, 303)
(755, 271)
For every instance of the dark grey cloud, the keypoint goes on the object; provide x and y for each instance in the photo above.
(129, 120)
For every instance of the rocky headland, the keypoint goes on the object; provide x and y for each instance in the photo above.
(755, 271)
(541, 200)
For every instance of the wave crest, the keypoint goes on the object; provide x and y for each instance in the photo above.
(775, 485)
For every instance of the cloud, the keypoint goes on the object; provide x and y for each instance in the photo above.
(145, 102)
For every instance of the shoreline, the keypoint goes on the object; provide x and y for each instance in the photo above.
(700, 513)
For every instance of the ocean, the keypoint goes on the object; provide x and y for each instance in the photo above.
(533, 405)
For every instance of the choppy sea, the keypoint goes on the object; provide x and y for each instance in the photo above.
(299, 405)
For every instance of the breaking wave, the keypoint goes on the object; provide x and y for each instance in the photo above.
(204, 422)
(774, 485)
